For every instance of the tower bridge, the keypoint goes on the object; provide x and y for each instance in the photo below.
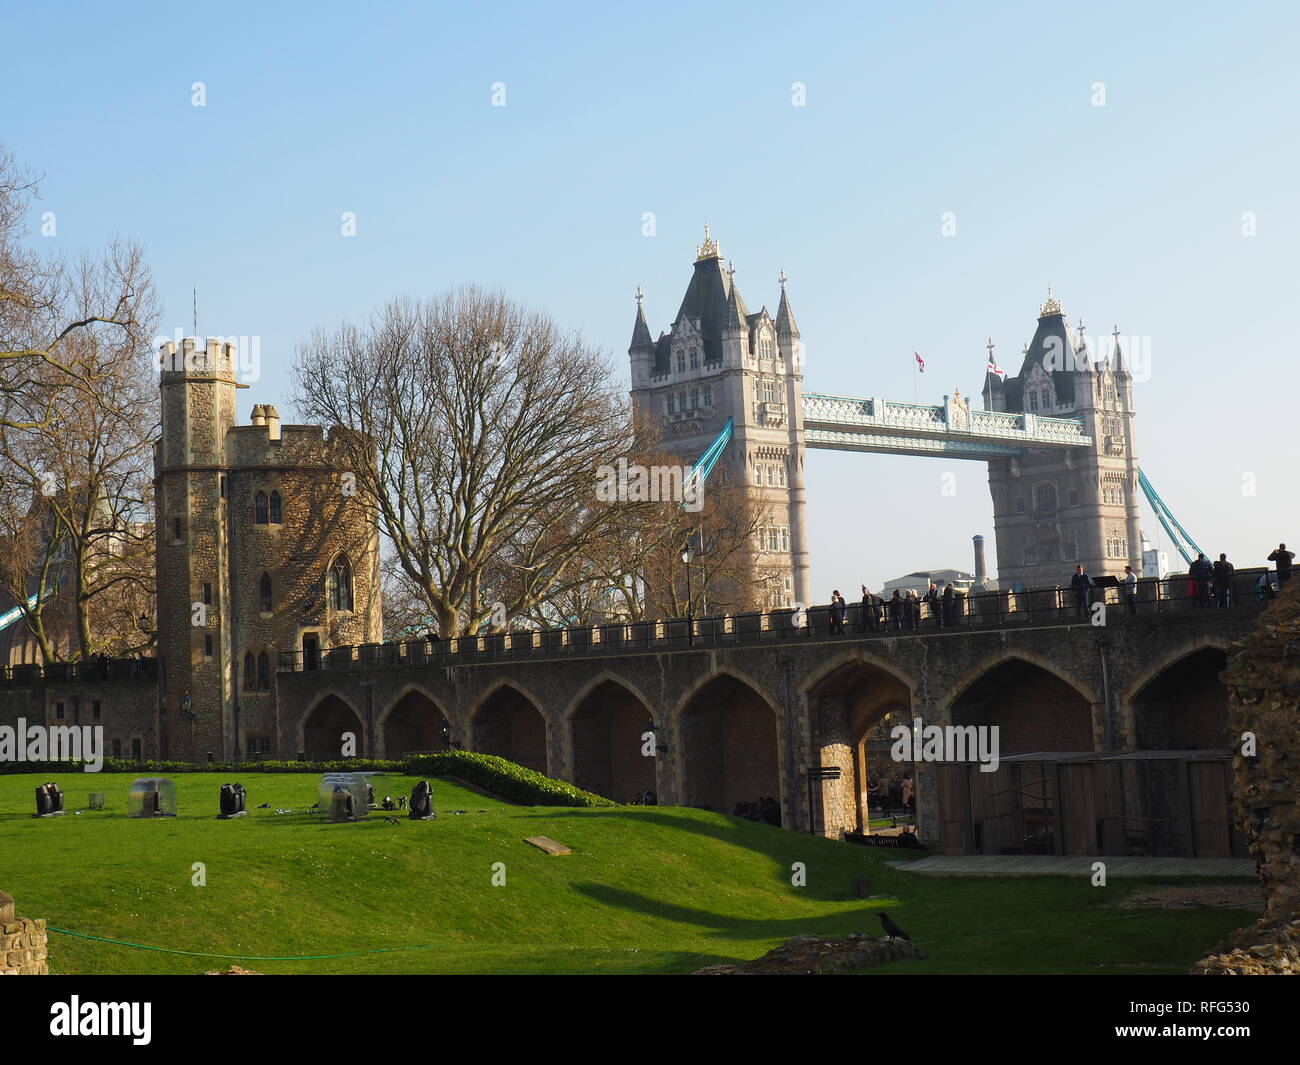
(1058, 436)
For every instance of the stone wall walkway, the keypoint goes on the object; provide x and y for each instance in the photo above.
(1074, 865)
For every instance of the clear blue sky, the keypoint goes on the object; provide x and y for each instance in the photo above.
(1133, 211)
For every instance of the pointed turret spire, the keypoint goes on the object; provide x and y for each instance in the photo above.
(737, 313)
(785, 322)
(640, 330)
(1120, 365)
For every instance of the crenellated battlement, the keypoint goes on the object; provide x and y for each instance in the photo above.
(217, 358)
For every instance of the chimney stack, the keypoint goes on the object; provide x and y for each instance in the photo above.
(980, 571)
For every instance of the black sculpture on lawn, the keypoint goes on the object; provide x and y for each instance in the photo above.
(422, 803)
(49, 800)
(233, 798)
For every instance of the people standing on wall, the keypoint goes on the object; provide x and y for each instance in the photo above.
(913, 604)
(1129, 586)
(950, 604)
(870, 611)
(931, 598)
(1283, 559)
(838, 609)
(1082, 585)
(1201, 574)
(896, 609)
(1223, 574)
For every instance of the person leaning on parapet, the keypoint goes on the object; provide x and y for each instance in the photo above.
(838, 608)
(1283, 559)
(896, 608)
(912, 603)
(1223, 573)
(931, 598)
(1130, 588)
(1201, 574)
(1082, 585)
(870, 611)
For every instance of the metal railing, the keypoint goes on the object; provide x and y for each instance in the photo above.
(892, 618)
(110, 670)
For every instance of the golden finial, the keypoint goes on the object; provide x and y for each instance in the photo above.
(1052, 306)
(709, 249)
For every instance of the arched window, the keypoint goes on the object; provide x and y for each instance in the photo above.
(340, 585)
(1045, 497)
(260, 509)
(250, 673)
(264, 671)
(275, 508)
(264, 591)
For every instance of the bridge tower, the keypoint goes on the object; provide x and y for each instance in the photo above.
(719, 361)
(1053, 509)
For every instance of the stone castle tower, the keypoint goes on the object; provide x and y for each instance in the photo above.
(261, 548)
(1053, 509)
(719, 361)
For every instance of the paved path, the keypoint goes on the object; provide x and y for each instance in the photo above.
(1074, 865)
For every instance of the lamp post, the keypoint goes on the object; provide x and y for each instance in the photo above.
(688, 556)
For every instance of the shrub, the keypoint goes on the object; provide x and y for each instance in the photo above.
(511, 782)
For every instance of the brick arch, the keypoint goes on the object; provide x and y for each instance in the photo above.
(606, 676)
(1171, 659)
(1162, 710)
(700, 683)
(1044, 708)
(321, 697)
(960, 687)
(855, 656)
(732, 755)
(492, 689)
(382, 721)
(603, 743)
(514, 734)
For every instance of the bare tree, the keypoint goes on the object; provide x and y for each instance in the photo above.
(78, 415)
(475, 431)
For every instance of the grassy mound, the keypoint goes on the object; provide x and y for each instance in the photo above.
(647, 890)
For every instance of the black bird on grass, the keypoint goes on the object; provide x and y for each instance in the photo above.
(892, 929)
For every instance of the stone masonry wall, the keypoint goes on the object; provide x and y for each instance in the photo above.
(23, 943)
(1263, 681)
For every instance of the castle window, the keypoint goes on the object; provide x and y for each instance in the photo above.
(275, 508)
(765, 346)
(264, 672)
(207, 594)
(261, 509)
(1033, 400)
(1074, 500)
(258, 747)
(340, 585)
(671, 403)
(695, 359)
(681, 362)
(223, 486)
(250, 672)
(780, 472)
(708, 397)
(1020, 504)
(207, 646)
(1045, 497)
(264, 590)
(695, 398)
(785, 539)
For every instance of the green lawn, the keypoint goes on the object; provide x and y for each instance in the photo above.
(647, 890)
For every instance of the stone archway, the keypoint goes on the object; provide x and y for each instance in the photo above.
(855, 704)
(324, 727)
(509, 724)
(1034, 709)
(606, 726)
(1184, 706)
(731, 747)
(413, 723)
